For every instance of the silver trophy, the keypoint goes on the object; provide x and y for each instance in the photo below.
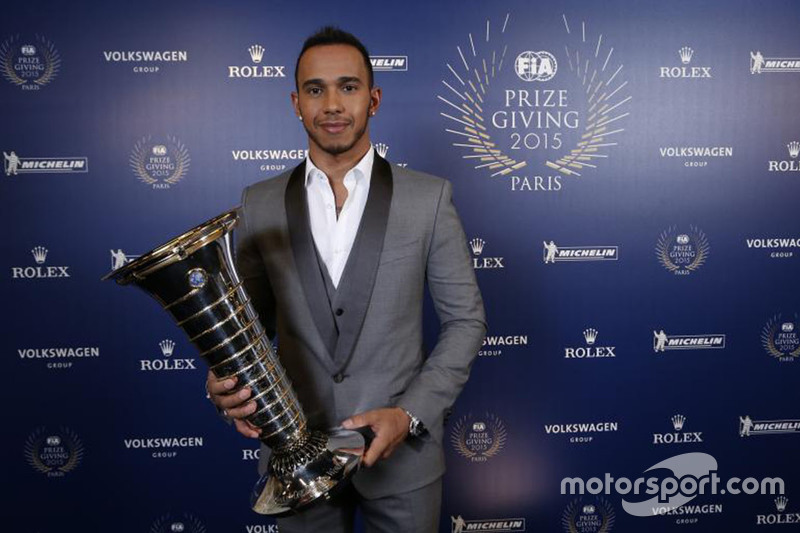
(193, 277)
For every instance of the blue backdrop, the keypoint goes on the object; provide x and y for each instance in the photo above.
(627, 176)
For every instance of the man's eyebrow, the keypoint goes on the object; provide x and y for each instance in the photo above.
(314, 81)
(341, 80)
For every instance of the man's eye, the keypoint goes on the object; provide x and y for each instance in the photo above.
(349, 88)
(314, 91)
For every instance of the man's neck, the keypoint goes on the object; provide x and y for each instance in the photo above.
(336, 166)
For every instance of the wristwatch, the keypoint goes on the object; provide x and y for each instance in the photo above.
(415, 425)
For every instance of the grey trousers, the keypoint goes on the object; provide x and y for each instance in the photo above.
(416, 511)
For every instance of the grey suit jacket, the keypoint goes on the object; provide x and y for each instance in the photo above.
(362, 347)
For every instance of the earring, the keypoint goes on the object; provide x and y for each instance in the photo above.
(300, 118)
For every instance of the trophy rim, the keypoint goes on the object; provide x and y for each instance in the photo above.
(175, 249)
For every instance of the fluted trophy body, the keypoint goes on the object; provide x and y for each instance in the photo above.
(194, 279)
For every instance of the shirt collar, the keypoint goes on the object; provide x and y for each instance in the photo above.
(362, 169)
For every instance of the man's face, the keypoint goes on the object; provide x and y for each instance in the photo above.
(334, 98)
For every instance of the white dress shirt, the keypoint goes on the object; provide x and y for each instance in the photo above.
(334, 237)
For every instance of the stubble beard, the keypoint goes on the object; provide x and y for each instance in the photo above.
(337, 149)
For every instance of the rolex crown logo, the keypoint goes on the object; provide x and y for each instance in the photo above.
(780, 503)
(256, 53)
(590, 335)
(167, 346)
(794, 149)
(382, 149)
(477, 245)
(678, 421)
(686, 54)
(39, 254)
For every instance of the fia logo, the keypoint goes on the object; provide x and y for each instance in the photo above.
(781, 338)
(682, 253)
(54, 454)
(536, 66)
(595, 516)
(478, 439)
(185, 523)
(30, 65)
(159, 164)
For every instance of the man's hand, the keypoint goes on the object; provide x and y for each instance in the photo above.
(390, 426)
(233, 404)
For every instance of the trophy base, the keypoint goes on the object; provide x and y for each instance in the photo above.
(285, 490)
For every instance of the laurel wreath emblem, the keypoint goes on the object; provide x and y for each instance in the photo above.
(49, 53)
(469, 87)
(177, 152)
(70, 441)
(768, 338)
(190, 522)
(607, 515)
(494, 425)
(667, 237)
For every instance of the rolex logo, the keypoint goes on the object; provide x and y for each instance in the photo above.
(794, 149)
(256, 53)
(477, 245)
(678, 421)
(590, 335)
(39, 254)
(686, 54)
(167, 346)
(780, 503)
(382, 149)
(40, 271)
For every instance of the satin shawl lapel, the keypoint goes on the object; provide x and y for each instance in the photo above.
(305, 257)
(355, 287)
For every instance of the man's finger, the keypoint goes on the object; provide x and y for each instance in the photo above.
(242, 411)
(216, 386)
(228, 401)
(246, 429)
(375, 450)
(359, 420)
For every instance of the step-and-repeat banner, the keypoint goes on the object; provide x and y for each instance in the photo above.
(627, 174)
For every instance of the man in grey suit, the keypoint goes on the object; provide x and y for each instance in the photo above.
(335, 255)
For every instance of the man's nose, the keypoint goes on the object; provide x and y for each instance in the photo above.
(333, 102)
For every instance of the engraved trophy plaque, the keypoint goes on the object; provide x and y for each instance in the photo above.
(194, 279)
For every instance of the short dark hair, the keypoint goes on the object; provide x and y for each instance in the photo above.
(333, 35)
